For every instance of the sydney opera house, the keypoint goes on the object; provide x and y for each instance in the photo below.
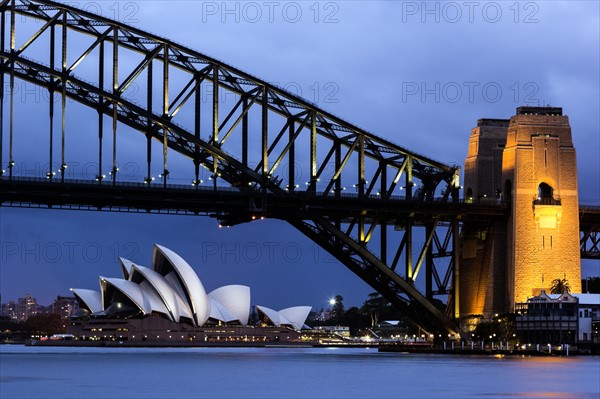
(169, 302)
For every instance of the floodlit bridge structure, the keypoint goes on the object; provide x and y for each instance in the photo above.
(253, 151)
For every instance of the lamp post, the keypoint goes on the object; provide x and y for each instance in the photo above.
(331, 305)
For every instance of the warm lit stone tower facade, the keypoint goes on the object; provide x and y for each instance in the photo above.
(539, 171)
(483, 276)
(529, 164)
(483, 166)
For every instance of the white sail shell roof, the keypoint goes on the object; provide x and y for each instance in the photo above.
(236, 299)
(184, 307)
(91, 298)
(173, 289)
(155, 301)
(173, 281)
(220, 312)
(129, 289)
(126, 266)
(193, 288)
(296, 315)
(145, 301)
(167, 294)
(271, 314)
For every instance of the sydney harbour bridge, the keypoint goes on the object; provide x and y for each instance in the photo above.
(362, 198)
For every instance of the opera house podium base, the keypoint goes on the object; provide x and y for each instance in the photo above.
(158, 329)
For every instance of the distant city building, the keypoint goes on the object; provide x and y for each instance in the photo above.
(44, 310)
(559, 319)
(326, 315)
(20, 310)
(26, 307)
(321, 315)
(10, 310)
(64, 306)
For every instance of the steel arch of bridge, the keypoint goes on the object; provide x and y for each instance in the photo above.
(589, 225)
(279, 121)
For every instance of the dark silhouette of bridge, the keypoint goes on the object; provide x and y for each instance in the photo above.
(244, 145)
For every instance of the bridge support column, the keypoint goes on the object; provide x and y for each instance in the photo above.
(456, 265)
(429, 264)
(408, 249)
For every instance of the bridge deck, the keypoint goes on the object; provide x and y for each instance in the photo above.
(189, 200)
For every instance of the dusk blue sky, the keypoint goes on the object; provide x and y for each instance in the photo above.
(365, 61)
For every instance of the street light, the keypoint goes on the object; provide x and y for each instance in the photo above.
(332, 303)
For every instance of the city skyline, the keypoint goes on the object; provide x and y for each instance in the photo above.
(21, 309)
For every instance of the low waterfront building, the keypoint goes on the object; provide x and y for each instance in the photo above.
(340, 331)
(558, 319)
(589, 318)
(392, 329)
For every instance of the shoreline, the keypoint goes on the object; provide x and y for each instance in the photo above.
(383, 348)
(186, 344)
(497, 352)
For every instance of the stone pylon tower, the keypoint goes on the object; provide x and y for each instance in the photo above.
(528, 163)
(539, 172)
(483, 166)
(483, 277)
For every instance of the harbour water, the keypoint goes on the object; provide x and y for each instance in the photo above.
(60, 372)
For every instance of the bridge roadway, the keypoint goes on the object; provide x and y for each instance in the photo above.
(230, 205)
(589, 216)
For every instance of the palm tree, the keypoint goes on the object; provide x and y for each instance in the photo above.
(559, 286)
